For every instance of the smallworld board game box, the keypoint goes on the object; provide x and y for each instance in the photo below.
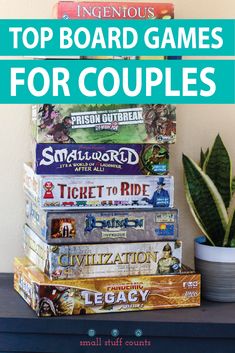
(83, 226)
(102, 260)
(74, 192)
(104, 295)
(104, 123)
(100, 159)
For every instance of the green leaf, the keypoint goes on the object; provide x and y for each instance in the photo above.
(229, 238)
(203, 157)
(233, 185)
(205, 202)
(218, 167)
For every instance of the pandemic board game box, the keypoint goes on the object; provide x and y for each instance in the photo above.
(100, 159)
(104, 295)
(104, 123)
(102, 260)
(83, 226)
(116, 11)
(74, 192)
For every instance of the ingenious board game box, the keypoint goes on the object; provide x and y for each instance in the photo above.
(102, 260)
(115, 11)
(74, 192)
(104, 123)
(104, 295)
(100, 159)
(83, 226)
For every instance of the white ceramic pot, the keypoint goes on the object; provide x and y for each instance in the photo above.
(217, 268)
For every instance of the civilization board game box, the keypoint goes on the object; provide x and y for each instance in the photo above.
(104, 123)
(102, 260)
(116, 11)
(83, 226)
(74, 192)
(104, 295)
(100, 159)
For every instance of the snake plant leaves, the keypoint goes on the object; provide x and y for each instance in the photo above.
(205, 202)
(233, 185)
(203, 157)
(218, 167)
(229, 238)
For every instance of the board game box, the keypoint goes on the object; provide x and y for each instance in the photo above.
(83, 226)
(104, 123)
(116, 11)
(100, 159)
(74, 192)
(104, 295)
(102, 260)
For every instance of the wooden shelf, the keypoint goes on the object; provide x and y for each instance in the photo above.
(210, 328)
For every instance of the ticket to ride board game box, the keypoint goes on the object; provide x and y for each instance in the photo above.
(104, 295)
(116, 11)
(93, 226)
(100, 159)
(102, 260)
(74, 192)
(104, 123)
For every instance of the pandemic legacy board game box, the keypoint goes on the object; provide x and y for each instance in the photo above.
(104, 295)
(74, 192)
(102, 260)
(104, 123)
(100, 159)
(83, 226)
(116, 11)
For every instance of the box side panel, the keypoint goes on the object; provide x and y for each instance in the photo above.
(104, 192)
(36, 218)
(114, 10)
(111, 226)
(23, 283)
(101, 159)
(103, 260)
(32, 183)
(36, 250)
(124, 294)
(106, 124)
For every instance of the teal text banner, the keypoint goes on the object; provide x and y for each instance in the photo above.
(117, 37)
(117, 81)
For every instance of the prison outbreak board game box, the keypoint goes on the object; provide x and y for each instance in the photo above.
(104, 295)
(115, 11)
(104, 123)
(102, 260)
(83, 226)
(74, 192)
(100, 159)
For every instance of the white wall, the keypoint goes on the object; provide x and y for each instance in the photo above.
(197, 126)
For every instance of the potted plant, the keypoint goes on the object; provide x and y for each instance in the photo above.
(209, 188)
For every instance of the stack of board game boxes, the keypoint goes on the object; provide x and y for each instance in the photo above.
(101, 233)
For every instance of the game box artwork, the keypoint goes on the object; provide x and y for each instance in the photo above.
(104, 123)
(102, 260)
(74, 192)
(116, 11)
(101, 159)
(104, 295)
(73, 227)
